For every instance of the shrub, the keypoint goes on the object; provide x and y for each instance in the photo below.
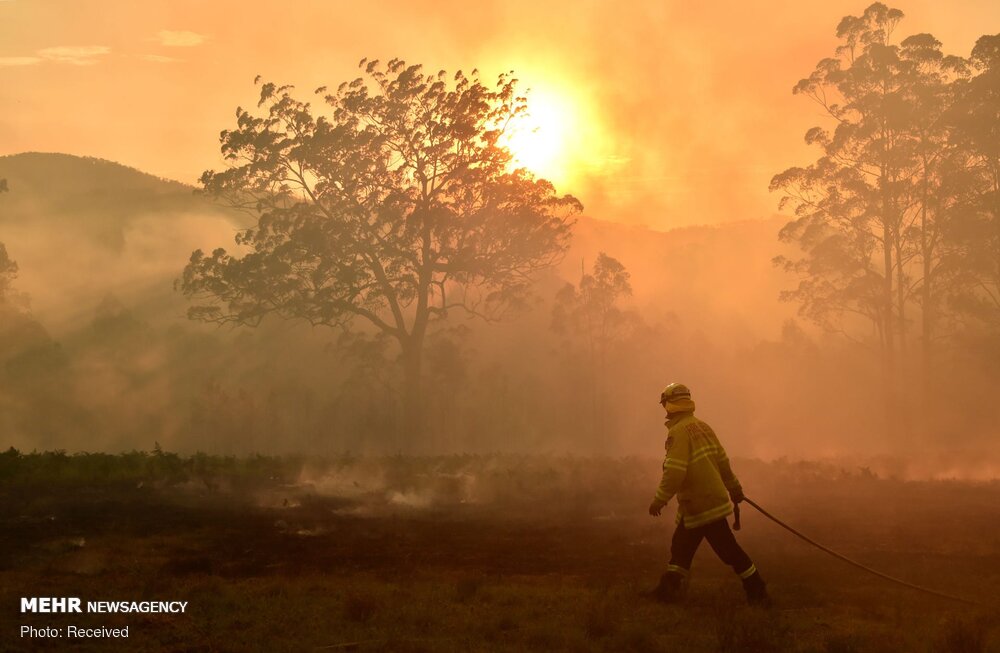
(601, 619)
(962, 636)
(750, 631)
(466, 589)
(360, 607)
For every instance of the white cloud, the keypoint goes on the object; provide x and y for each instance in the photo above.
(19, 61)
(180, 39)
(78, 55)
(158, 58)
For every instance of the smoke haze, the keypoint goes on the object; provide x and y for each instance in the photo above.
(682, 115)
(111, 362)
(678, 118)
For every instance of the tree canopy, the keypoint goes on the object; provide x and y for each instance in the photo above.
(897, 219)
(396, 204)
(590, 317)
(8, 268)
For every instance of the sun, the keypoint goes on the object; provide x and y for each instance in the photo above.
(563, 135)
(540, 140)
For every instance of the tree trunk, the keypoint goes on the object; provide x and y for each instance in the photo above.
(928, 297)
(888, 302)
(411, 430)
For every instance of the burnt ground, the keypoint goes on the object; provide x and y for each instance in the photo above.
(510, 560)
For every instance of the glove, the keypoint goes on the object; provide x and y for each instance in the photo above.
(736, 494)
(656, 507)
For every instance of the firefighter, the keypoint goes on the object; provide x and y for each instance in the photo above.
(697, 470)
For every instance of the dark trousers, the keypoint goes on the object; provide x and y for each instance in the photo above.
(685, 543)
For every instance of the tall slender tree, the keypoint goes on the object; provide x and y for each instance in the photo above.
(976, 137)
(897, 219)
(854, 211)
(929, 78)
(8, 268)
(847, 204)
(591, 315)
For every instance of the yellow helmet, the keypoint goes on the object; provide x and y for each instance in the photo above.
(676, 398)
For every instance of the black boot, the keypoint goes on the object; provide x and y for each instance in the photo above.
(670, 589)
(756, 590)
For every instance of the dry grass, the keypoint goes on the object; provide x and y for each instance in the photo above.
(272, 568)
(963, 634)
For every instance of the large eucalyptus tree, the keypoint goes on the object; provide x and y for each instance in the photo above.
(394, 205)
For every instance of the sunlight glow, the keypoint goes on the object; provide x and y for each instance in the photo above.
(562, 137)
(541, 140)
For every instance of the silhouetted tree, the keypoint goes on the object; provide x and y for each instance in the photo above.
(929, 79)
(395, 206)
(976, 136)
(8, 272)
(899, 213)
(850, 205)
(8, 268)
(590, 313)
(875, 213)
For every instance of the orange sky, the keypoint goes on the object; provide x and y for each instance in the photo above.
(681, 111)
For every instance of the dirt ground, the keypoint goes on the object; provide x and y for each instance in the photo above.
(509, 554)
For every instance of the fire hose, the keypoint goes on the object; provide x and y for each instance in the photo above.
(854, 563)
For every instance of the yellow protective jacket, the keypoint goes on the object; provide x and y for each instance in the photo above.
(697, 470)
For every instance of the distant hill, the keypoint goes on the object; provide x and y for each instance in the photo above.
(82, 228)
(707, 274)
(97, 199)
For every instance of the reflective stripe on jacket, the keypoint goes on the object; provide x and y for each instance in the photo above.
(697, 470)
